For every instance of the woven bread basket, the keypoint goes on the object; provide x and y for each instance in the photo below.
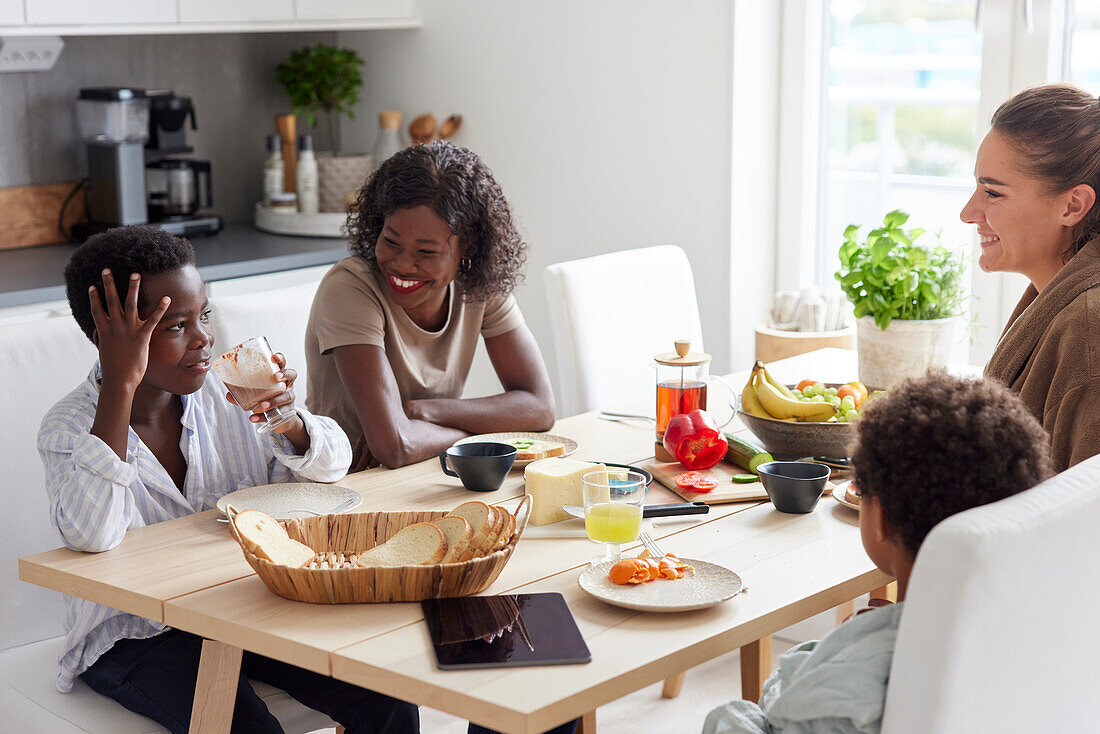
(356, 532)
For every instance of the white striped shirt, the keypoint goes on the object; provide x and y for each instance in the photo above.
(95, 497)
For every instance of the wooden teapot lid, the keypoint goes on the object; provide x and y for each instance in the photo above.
(683, 356)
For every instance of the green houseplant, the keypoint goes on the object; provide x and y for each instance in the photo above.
(908, 299)
(324, 79)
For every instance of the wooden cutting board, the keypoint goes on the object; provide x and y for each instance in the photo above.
(727, 491)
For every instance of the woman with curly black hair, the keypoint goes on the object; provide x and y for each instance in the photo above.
(393, 328)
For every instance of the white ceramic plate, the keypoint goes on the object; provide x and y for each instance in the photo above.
(712, 584)
(278, 500)
(840, 494)
(569, 444)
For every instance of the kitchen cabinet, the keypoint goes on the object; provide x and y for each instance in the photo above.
(101, 12)
(124, 17)
(198, 11)
(11, 12)
(329, 9)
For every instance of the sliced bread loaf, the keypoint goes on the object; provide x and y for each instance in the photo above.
(485, 523)
(267, 538)
(418, 544)
(457, 532)
(507, 531)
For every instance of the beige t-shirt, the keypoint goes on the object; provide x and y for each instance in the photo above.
(352, 306)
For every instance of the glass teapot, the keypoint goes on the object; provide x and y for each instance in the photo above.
(682, 378)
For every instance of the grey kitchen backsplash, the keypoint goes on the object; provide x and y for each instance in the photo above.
(230, 78)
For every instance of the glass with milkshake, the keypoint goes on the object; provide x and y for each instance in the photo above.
(248, 371)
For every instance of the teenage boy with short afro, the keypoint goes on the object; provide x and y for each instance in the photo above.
(151, 435)
(926, 450)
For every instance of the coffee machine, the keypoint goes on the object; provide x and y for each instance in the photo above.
(129, 133)
(176, 188)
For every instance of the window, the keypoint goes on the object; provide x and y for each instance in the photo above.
(898, 95)
(900, 117)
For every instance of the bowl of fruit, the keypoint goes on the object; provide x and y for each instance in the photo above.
(810, 418)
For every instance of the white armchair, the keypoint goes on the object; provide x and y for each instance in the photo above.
(999, 630)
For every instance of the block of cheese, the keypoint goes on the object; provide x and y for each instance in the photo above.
(555, 482)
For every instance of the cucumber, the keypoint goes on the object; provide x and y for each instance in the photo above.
(745, 454)
(744, 478)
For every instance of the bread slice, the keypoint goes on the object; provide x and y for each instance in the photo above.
(267, 538)
(457, 533)
(499, 525)
(419, 544)
(538, 449)
(506, 531)
(483, 521)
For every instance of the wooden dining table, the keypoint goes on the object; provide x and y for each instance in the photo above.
(190, 574)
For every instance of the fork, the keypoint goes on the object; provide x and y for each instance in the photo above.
(651, 544)
(345, 505)
(609, 415)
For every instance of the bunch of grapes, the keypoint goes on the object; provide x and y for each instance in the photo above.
(844, 398)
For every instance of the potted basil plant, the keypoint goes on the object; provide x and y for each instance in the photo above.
(909, 300)
(326, 80)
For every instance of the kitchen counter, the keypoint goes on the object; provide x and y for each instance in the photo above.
(36, 274)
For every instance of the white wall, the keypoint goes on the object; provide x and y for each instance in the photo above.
(608, 125)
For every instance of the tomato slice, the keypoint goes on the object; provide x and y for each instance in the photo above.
(696, 481)
(687, 479)
(705, 483)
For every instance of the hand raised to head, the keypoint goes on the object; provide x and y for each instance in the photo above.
(121, 336)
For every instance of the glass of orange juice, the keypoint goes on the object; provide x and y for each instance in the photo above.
(613, 501)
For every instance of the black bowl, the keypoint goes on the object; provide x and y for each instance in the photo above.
(794, 486)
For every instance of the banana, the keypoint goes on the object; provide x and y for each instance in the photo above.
(783, 389)
(750, 403)
(784, 408)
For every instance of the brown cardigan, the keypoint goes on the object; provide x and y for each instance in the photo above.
(1049, 354)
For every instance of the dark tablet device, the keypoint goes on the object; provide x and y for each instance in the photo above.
(504, 631)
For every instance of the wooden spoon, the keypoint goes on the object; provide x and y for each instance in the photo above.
(450, 126)
(422, 129)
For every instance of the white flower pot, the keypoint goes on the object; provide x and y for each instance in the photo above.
(904, 349)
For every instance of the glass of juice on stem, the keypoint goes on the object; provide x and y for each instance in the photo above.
(248, 371)
(613, 501)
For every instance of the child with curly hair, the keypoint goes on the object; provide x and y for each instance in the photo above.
(393, 328)
(150, 436)
(928, 449)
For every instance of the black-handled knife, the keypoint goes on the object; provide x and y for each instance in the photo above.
(680, 508)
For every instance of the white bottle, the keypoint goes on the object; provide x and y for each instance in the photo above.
(308, 199)
(273, 169)
(388, 141)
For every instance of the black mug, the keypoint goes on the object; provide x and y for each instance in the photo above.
(481, 466)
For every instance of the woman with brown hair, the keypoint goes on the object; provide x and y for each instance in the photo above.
(1038, 174)
(391, 336)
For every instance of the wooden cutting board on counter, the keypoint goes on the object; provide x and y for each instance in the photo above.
(727, 491)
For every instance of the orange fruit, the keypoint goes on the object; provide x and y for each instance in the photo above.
(845, 390)
(802, 385)
(862, 390)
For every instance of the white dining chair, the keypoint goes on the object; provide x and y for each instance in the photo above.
(40, 362)
(999, 628)
(610, 314)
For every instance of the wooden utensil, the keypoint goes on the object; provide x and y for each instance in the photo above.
(422, 129)
(450, 126)
(287, 127)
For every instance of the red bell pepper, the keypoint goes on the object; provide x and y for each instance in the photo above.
(695, 440)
